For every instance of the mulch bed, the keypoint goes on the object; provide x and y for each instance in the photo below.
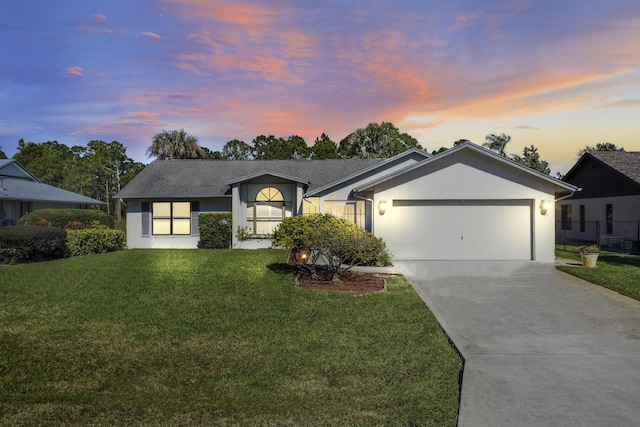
(352, 283)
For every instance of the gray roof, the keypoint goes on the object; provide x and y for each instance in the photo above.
(18, 183)
(31, 191)
(625, 162)
(211, 178)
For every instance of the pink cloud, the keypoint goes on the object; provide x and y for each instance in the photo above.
(147, 114)
(75, 71)
(99, 19)
(248, 16)
(150, 34)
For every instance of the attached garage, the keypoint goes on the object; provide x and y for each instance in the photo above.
(465, 204)
(462, 229)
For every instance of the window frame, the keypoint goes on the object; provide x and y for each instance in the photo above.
(609, 217)
(173, 219)
(270, 197)
(583, 216)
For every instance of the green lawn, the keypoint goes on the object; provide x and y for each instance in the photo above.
(214, 337)
(616, 271)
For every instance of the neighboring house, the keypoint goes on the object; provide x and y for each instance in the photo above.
(607, 209)
(465, 203)
(22, 192)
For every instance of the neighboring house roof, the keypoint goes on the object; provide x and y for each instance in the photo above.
(625, 162)
(606, 173)
(569, 188)
(18, 183)
(13, 168)
(211, 178)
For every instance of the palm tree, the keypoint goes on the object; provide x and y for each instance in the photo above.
(176, 144)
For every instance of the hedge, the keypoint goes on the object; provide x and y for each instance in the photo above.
(94, 241)
(62, 217)
(31, 243)
(215, 230)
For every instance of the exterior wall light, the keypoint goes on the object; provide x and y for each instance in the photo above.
(544, 207)
(382, 207)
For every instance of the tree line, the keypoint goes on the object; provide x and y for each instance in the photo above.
(377, 140)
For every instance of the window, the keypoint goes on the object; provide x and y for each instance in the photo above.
(350, 210)
(171, 218)
(268, 210)
(566, 217)
(609, 209)
(582, 219)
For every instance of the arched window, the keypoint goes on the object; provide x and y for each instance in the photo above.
(269, 194)
(267, 211)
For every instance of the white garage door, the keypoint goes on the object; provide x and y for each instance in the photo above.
(461, 230)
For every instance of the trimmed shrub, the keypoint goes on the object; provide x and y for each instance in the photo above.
(323, 238)
(75, 225)
(215, 230)
(94, 241)
(44, 222)
(61, 217)
(32, 243)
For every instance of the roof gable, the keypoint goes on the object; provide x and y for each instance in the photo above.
(413, 155)
(606, 174)
(470, 147)
(266, 173)
(13, 168)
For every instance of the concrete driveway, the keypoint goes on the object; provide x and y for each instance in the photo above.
(541, 347)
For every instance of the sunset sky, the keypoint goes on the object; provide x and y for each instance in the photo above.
(555, 74)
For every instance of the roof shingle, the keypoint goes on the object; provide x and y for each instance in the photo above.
(209, 178)
(625, 162)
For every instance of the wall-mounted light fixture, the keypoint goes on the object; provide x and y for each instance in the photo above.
(382, 207)
(544, 207)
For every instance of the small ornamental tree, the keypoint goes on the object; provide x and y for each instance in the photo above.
(334, 242)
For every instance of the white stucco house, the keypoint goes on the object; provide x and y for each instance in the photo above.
(466, 203)
(22, 192)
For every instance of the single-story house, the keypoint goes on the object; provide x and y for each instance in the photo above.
(607, 209)
(22, 192)
(466, 203)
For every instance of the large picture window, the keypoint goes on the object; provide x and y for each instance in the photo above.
(267, 211)
(171, 218)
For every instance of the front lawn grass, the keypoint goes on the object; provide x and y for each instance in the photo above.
(214, 337)
(616, 271)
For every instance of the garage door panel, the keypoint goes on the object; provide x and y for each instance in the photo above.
(461, 230)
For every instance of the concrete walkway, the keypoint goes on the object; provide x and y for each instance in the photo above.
(541, 347)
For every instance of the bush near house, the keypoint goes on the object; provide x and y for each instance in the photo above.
(215, 230)
(328, 240)
(31, 243)
(94, 241)
(62, 217)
